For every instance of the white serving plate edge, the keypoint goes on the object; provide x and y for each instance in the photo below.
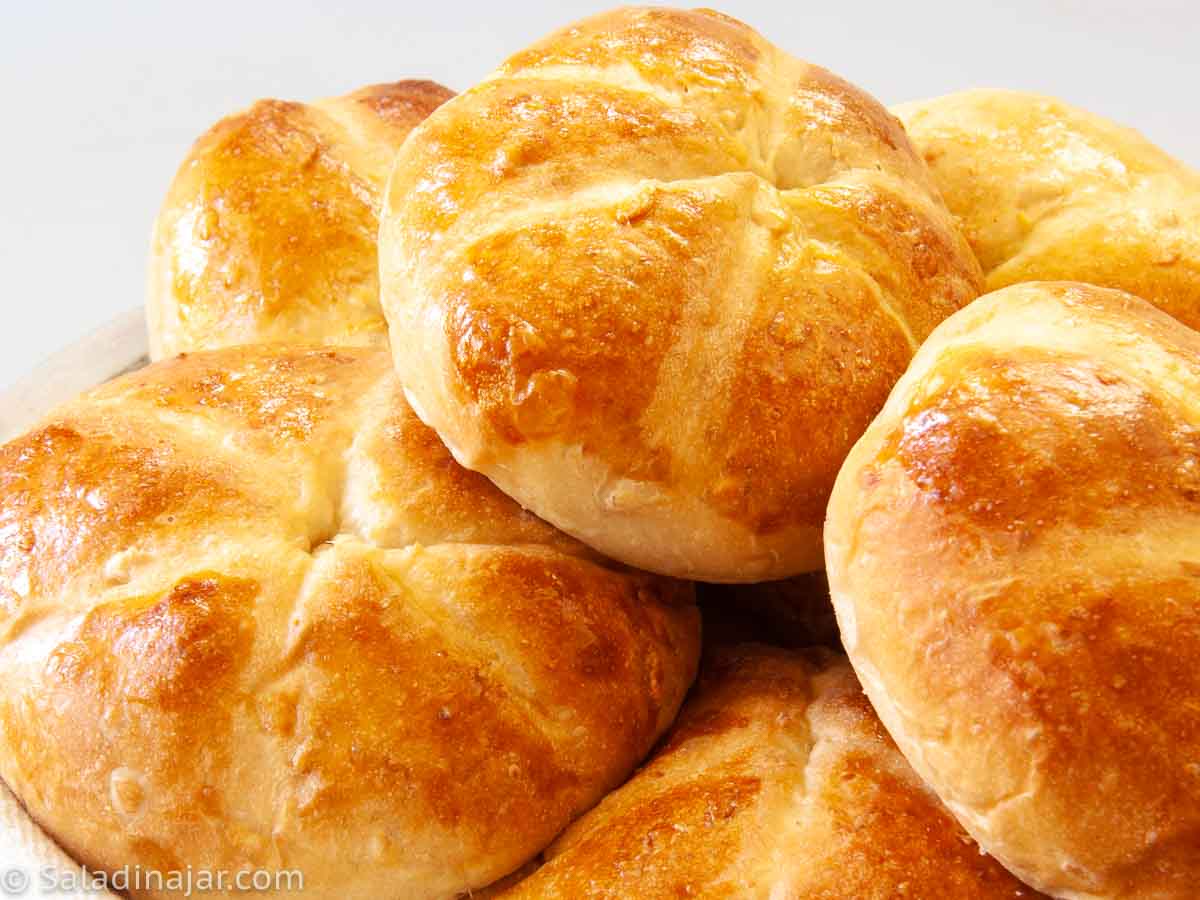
(115, 348)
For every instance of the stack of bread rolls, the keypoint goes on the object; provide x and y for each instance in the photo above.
(384, 571)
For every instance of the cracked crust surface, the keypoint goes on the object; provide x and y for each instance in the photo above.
(253, 615)
(1012, 558)
(654, 276)
(777, 781)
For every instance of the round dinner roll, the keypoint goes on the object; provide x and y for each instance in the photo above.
(1048, 191)
(654, 276)
(253, 617)
(268, 232)
(1014, 556)
(777, 782)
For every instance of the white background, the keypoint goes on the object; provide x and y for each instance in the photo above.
(100, 102)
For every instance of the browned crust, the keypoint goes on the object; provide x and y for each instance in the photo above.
(664, 260)
(778, 781)
(1048, 191)
(252, 614)
(268, 231)
(1011, 556)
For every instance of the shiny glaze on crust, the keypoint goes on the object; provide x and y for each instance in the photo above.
(654, 242)
(1012, 406)
(229, 638)
(1012, 557)
(1048, 191)
(778, 781)
(268, 231)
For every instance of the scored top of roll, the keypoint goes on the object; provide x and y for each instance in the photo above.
(1048, 191)
(777, 781)
(1012, 551)
(252, 615)
(654, 276)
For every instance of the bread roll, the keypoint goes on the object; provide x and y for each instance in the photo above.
(252, 615)
(1013, 557)
(1048, 191)
(778, 781)
(268, 232)
(654, 276)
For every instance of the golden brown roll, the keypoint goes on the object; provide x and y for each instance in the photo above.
(1048, 191)
(268, 232)
(1013, 555)
(654, 276)
(778, 781)
(253, 616)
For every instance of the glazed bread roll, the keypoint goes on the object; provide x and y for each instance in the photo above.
(268, 232)
(1047, 191)
(1013, 557)
(253, 616)
(778, 781)
(654, 276)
